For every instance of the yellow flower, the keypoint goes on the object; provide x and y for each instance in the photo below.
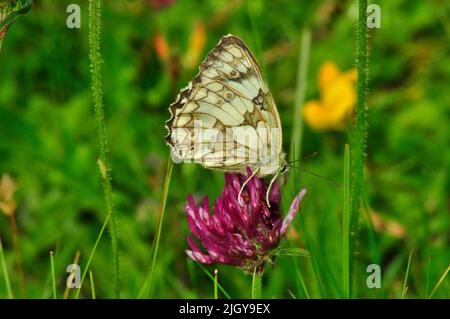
(337, 98)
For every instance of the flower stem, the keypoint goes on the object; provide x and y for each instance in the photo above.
(346, 225)
(359, 134)
(103, 161)
(256, 285)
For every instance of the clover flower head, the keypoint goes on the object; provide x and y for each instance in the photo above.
(241, 234)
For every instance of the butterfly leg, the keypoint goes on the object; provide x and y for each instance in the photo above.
(245, 184)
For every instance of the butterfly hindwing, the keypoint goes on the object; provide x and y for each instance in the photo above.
(228, 96)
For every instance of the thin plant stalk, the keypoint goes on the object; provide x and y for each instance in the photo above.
(5, 272)
(405, 281)
(216, 275)
(256, 285)
(359, 133)
(346, 225)
(52, 265)
(95, 57)
(300, 92)
(441, 279)
(161, 220)
(302, 282)
(91, 279)
(91, 255)
(212, 278)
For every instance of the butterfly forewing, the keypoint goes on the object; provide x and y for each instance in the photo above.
(226, 118)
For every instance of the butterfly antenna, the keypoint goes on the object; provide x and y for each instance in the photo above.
(245, 184)
(329, 181)
(313, 154)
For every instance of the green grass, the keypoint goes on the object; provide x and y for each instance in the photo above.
(52, 267)
(441, 279)
(256, 285)
(91, 279)
(5, 272)
(95, 29)
(405, 281)
(346, 216)
(91, 255)
(148, 284)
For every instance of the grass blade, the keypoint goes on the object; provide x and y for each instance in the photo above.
(91, 255)
(91, 279)
(346, 225)
(148, 285)
(302, 282)
(441, 279)
(52, 265)
(216, 273)
(405, 281)
(256, 285)
(300, 91)
(5, 272)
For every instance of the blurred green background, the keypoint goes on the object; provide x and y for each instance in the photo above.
(151, 49)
